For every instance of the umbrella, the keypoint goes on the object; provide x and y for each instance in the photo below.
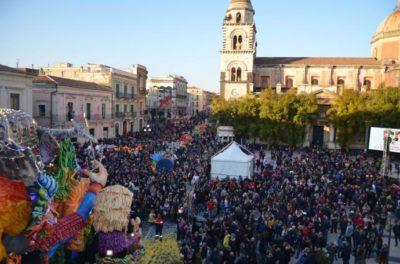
(165, 165)
(157, 156)
(186, 138)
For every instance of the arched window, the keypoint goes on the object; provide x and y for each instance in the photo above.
(289, 82)
(235, 40)
(239, 75)
(233, 74)
(238, 17)
(239, 45)
(367, 84)
(314, 81)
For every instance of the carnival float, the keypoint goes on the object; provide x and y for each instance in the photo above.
(52, 207)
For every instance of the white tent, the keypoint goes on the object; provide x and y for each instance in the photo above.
(232, 161)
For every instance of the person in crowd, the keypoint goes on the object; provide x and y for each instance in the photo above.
(159, 222)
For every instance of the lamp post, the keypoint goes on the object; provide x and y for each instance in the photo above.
(147, 129)
(367, 126)
(390, 218)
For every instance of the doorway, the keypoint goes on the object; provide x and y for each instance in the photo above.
(125, 128)
(318, 136)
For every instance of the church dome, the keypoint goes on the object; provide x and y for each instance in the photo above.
(389, 26)
(385, 44)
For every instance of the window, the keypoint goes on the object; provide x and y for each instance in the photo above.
(117, 89)
(88, 111)
(42, 110)
(289, 82)
(126, 90)
(105, 132)
(239, 74)
(125, 108)
(131, 126)
(133, 91)
(340, 82)
(238, 17)
(103, 111)
(14, 101)
(91, 132)
(265, 81)
(233, 74)
(239, 45)
(237, 42)
(132, 108)
(117, 108)
(367, 84)
(70, 111)
(314, 81)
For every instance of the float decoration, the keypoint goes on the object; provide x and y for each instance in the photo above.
(111, 215)
(21, 170)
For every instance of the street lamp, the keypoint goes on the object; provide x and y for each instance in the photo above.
(367, 127)
(390, 219)
(147, 129)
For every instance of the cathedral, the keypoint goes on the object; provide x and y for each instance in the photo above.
(243, 73)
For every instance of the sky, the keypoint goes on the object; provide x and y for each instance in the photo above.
(180, 37)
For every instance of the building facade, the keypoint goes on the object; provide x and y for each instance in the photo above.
(198, 100)
(168, 96)
(194, 100)
(128, 90)
(16, 88)
(243, 73)
(58, 100)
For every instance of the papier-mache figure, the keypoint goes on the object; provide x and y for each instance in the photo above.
(110, 220)
(38, 178)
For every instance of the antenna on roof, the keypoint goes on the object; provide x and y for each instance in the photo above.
(17, 64)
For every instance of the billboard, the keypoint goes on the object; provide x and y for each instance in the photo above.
(376, 141)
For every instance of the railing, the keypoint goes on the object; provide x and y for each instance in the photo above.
(124, 114)
(80, 118)
(125, 96)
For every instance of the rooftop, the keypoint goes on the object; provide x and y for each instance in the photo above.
(340, 61)
(70, 83)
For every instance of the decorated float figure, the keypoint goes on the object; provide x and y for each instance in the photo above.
(45, 198)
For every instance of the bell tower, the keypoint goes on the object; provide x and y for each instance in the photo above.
(238, 50)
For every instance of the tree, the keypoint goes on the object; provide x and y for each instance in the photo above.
(246, 116)
(348, 114)
(383, 107)
(269, 128)
(222, 111)
(287, 115)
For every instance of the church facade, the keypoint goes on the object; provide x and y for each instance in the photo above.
(243, 73)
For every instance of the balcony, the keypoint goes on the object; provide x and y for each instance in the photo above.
(125, 96)
(124, 114)
(80, 118)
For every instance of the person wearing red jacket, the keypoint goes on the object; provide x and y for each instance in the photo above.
(159, 222)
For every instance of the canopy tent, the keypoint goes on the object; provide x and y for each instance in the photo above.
(232, 161)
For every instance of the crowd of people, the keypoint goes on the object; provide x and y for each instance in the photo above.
(289, 209)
